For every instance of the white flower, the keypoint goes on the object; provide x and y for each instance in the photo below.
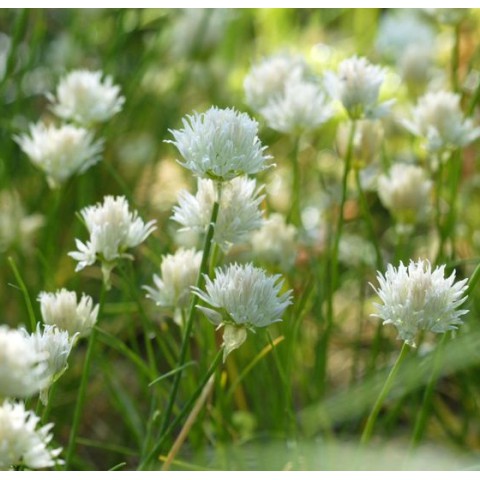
(438, 118)
(23, 369)
(83, 97)
(357, 85)
(242, 297)
(302, 107)
(239, 213)
(268, 78)
(21, 442)
(405, 192)
(62, 310)
(113, 229)
(415, 298)
(275, 241)
(56, 345)
(60, 152)
(16, 228)
(178, 273)
(220, 144)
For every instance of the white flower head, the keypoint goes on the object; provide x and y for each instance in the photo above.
(113, 229)
(83, 97)
(242, 297)
(178, 273)
(439, 120)
(16, 228)
(275, 241)
(415, 298)
(22, 443)
(239, 213)
(60, 152)
(63, 310)
(267, 79)
(405, 192)
(303, 106)
(220, 144)
(357, 86)
(56, 344)
(23, 369)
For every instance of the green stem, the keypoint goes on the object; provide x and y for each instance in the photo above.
(26, 296)
(438, 212)
(368, 430)
(294, 216)
(156, 450)
(83, 388)
(333, 280)
(369, 221)
(422, 416)
(455, 59)
(191, 314)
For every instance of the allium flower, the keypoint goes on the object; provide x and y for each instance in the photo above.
(16, 228)
(302, 107)
(21, 443)
(438, 118)
(178, 273)
(23, 369)
(242, 297)
(415, 298)
(60, 152)
(56, 345)
(220, 144)
(239, 213)
(405, 192)
(62, 310)
(113, 229)
(357, 85)
(275, 241)
(268, 78)
(84, 98)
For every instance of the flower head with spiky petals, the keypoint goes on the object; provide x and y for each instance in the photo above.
(416, 298)
(242, 297)
(220, 144)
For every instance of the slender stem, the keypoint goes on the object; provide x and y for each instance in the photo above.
(422, 416)
(333, 280)
(156, 450)
(26, 296)
(191, 314)
(369, 221)
(438, 212)
(83, 387)
(455, 58)
(368, 430)
(294, 216)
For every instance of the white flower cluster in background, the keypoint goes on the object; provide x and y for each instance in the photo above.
(84, 98)
(16, 227)
(405, 192)
(61, 152)
(178, 272)
(357, 86)
(415, 298)
(438, 119)
(239, 212)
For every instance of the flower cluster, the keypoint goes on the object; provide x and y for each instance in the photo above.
(416, 298)
(113, 229)
(242, 297)
(220, 144)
